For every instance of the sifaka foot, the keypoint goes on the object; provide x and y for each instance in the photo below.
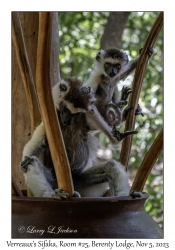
(24, 164)
(85, 90)
(126, 91)
(150, 51)
(60, 194)
(139, 111)
(135, 194)
(126, 111)
(120, 136)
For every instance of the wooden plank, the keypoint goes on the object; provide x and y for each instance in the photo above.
(21, 125)
(25, 69)
(15, 189)
(48, 113)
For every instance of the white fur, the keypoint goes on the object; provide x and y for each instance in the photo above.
(57, 94)
(35, 142)
(95, 76)
(73, 109)
(96, 72)
(39, 133)
(98, 190)
(92, 142)
(122, 180)
(36, 181)
(119, 177)
(117, 180)
(111, 60)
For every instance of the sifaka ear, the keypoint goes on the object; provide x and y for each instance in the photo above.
(98, 56)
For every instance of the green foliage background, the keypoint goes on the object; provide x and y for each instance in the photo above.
(80, 34)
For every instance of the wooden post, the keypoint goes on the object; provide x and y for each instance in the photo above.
(147, 163)
(25, 114)
(15, 189)
(137, 83)
(25, 70)
(49, 117)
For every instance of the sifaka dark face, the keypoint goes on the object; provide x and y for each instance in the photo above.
(76, 99)
(113, 60)
(112, 69)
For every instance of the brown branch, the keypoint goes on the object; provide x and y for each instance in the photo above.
(137, 83)
(112, 35)
(48, 113)
(25, 69)
(15, 189)
(147, 163)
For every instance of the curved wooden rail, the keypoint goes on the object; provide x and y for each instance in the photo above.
(25, 70)
(48, 113)
(137, 83)
(147, 163)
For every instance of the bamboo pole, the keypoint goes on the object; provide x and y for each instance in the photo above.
(137, 83)
(25, 70)
(147, 163)
(48, 113)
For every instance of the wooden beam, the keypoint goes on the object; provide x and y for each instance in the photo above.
(148, 163)
(48, 113)
(137, 84)
(25, 69)
(15, 189)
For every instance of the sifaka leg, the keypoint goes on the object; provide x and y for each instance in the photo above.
(111, 172)
(39, 179)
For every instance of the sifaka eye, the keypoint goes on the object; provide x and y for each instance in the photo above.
(118, 66)
(106, 65)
